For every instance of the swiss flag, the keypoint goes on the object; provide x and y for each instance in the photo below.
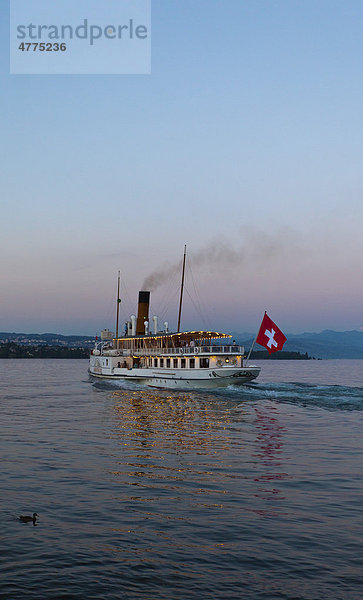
(270, 336)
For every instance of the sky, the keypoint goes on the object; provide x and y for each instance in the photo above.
(244, 142)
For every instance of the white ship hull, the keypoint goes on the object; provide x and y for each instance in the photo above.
(180, 378)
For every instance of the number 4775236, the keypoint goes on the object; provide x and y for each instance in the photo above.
(42, 47)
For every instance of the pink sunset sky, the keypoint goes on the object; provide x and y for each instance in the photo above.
(246, 145)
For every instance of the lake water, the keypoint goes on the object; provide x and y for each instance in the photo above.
(246, 493)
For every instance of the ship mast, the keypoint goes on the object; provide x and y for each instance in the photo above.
(182, 288)
(118, 302)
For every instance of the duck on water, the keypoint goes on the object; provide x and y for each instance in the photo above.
(28, 518)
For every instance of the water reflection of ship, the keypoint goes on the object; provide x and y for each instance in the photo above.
(269, 451)
(171, 457)
(180, 462)
(178, 421)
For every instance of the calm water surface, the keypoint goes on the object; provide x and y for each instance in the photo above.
(246, 493)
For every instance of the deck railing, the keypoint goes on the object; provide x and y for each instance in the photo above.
(186, 350)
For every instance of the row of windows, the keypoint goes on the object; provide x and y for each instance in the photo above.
(178, 363)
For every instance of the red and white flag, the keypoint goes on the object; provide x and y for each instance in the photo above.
(270, 336)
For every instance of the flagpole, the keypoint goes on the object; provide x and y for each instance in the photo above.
(118, 302)
(253, 343)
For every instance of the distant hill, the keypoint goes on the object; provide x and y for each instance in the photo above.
(12, 350)
(326, 344)
(49, 339)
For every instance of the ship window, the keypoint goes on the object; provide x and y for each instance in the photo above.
(204, 363)
(192, 363)
(106, 361)
(161, 362)
(155, 362)
(175, 363)
(182, 363)
(168, 363)
(150, 362)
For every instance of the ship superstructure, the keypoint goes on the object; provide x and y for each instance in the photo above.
(187, 359)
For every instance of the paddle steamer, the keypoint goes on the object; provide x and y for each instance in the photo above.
(158, 358)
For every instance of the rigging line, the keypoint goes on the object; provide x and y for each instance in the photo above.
(163, 312)
(109, 312)
(197, 310)
(164, 305)
(202, 306)
(125, 310)
(109, 309)
(198, 304)
(128, 308)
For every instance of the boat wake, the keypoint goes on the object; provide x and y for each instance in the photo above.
(331, 397)
(111, 384)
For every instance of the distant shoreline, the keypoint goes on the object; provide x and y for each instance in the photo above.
(12, 350)
(282, 355)
(326, 344)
